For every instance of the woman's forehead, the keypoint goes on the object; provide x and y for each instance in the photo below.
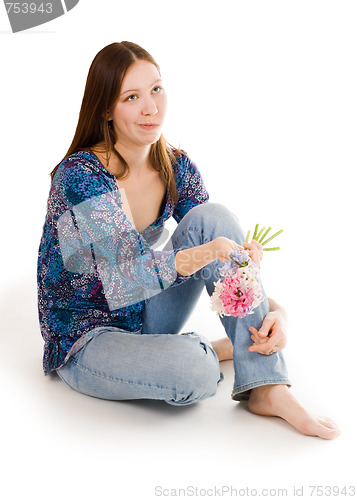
(140, 74)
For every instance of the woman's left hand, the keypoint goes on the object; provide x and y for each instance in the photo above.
(272, 335)
(255, 251)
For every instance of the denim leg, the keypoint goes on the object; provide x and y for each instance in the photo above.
(118, 365)
(168, 311)
(200, 225)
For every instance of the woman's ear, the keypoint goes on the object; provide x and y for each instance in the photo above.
(107, 115)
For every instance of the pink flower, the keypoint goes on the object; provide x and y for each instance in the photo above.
(236, 298)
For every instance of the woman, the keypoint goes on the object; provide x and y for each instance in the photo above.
(110, 305)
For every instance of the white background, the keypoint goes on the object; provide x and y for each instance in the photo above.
(262, 97)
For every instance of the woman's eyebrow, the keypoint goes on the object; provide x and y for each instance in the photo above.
(137, 90)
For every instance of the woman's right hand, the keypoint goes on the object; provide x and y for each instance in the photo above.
(222, 248)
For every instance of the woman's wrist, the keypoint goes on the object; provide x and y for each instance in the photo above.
(275, 307)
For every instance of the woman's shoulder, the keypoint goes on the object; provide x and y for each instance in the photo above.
(82, 166)
(181, 159)
(83, 160)
(81, 176)
(183, 165)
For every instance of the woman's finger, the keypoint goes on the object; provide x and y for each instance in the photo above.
(266, 348)
(255, 337)
(255, 251)
(267, 325)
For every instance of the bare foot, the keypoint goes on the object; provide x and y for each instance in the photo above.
(223, 348)
(277, 400)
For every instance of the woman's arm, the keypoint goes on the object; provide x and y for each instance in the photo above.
(193, 259)
(189, 261)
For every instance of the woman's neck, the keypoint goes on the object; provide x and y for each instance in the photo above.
(137, 158)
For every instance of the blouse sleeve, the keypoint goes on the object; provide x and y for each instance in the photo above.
(96, 237)
(190, 187)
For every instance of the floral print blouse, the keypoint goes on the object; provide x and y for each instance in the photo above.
(94, 268)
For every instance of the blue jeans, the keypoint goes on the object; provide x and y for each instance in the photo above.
(157, 362)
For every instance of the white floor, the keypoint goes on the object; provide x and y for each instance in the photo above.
(59, 443)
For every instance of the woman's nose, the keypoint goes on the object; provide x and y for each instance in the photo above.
(149, 107)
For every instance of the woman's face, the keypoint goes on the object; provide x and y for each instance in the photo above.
(139, 112)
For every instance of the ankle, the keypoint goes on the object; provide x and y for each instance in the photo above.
(270, 397)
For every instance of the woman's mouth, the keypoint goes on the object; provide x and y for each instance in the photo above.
(148, 126)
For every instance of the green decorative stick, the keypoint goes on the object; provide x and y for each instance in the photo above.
(255, 231)
(264, 235)
(257, 237)
(273, 248)
(260, 232)
(271, 237)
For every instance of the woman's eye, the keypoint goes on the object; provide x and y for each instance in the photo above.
(156, 89)
(131, 97)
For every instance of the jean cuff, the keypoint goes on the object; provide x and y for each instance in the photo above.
(241, 393)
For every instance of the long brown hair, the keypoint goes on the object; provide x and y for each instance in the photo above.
(101, 92)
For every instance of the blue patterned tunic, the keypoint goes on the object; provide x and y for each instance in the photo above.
(94, 267)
